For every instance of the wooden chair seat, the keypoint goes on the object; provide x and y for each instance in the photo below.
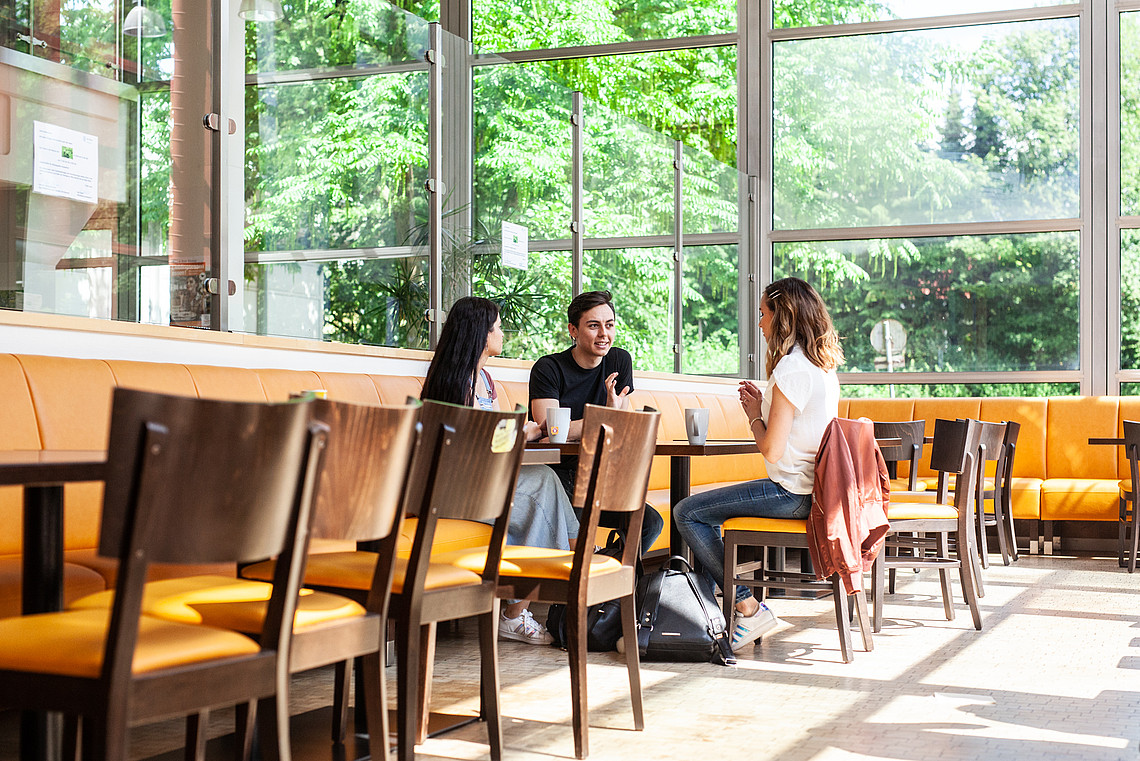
(354, 570)
(228, 603)
(537, 562)
(72, 643)
(778, 525)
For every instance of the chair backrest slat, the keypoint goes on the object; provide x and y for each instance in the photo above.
(361, 489)
(910, 435)
(626, 457)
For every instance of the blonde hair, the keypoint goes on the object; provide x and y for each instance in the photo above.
(799, 316)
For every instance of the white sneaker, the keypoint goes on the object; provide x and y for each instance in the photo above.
(523, 628)
(748, 629)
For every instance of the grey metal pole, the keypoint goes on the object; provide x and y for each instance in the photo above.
(678, 252)
(577, 234)
(435, 189)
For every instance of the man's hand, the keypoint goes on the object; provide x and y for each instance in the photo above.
(613, 398)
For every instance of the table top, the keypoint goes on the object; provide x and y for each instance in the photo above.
(541, 454)
(41, 467)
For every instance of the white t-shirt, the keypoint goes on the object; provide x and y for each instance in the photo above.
(815, 395)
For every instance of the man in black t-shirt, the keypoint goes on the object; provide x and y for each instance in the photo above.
(592, 371)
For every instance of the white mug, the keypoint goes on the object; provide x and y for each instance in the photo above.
(558, 424)
(697, 424)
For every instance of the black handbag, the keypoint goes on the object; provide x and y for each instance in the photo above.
(603, 621)
(678, 618)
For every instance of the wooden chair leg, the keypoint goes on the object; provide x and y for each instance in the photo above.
(195, 748)
(729, 600)
(427, 671)
(966, 570)
(1122, 532)
(983, 542)
(576, 648)
(842, 622)
(70, 746)
(342, 675)
(245, 720)
(273, 724)
(375, 700)
(878, 581)
(864, 620)
(944, 577)
(489, 679)
(1135, 538)
(632, 659)
(408, 688)
(1007, 513)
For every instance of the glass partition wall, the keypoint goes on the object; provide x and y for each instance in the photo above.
(952, 182)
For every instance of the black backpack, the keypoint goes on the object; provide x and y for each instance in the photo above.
(678, 618)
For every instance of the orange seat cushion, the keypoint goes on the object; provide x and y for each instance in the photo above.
(1080, 499)
(221, 601)
(776, 525)
(71, 643)
(354, 570)
(531, 562)
(910, 511)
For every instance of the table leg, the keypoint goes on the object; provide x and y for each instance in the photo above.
(42, 590)
(679, 470)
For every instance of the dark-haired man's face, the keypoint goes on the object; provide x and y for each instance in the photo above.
(594, 333)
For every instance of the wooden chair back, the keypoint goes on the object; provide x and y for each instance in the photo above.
(910, 434)
(191, 481)
(955, 445)
(1132, 449)
(361, 490)
(613, 467)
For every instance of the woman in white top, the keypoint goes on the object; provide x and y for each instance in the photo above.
(541, 515)
(787, 419)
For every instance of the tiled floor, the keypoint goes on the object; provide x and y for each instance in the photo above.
(1055, 674)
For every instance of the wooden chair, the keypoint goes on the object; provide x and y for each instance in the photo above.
(1002, 518)
(787, 533)
(1128, 487)
(465, 469)
(613, 475)
(910, 434)
(188, 481)
(991, 438)
(927, 528)
(358, 498)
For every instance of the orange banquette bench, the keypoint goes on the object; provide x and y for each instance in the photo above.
(64, 403)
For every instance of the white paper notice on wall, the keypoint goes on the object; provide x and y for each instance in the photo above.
(514, 245)
(65, 163)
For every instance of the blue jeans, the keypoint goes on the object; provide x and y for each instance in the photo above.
(700, 517)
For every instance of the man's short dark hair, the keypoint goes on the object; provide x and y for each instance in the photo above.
(584, 302)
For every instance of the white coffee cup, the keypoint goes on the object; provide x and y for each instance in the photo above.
(558, 424)
(697, 424)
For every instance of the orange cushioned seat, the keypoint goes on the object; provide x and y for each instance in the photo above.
(228, 603)
(537, 562)
(72, 643)
(907, 511)
(353, 570)
(778, 525)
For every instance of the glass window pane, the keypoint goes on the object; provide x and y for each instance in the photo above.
(1130, 389)
(710, 193)
(963, 303)
(523, 152)
(379, 302)
(793, 13)
(710, 317)
(1130, 113)
(947, 390)
(641, 280)
(952, 125)
(532, 302)
(689, 95)
(515, 25)
(1130, 299)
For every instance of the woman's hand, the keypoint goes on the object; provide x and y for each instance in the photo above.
(751, 399)
(613, 398)
(532, 431)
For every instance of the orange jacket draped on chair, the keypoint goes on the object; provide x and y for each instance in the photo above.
(848, 520)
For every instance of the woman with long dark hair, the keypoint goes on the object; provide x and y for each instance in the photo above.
(541, 515)
(787, 420)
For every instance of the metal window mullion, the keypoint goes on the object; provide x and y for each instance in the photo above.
(1113, 243)
(1094, 201)
(925, 23)
(750, 112)
(940, 230)
(767, 188)
(435, 190)
(576, 178)
(678, 250)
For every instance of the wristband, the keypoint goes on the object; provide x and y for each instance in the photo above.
(752, 422)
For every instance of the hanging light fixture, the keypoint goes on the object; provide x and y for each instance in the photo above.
(261, 10)
(143, 22)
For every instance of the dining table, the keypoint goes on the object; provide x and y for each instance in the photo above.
(43, 474)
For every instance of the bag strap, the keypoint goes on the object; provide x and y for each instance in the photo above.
(721, 638)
